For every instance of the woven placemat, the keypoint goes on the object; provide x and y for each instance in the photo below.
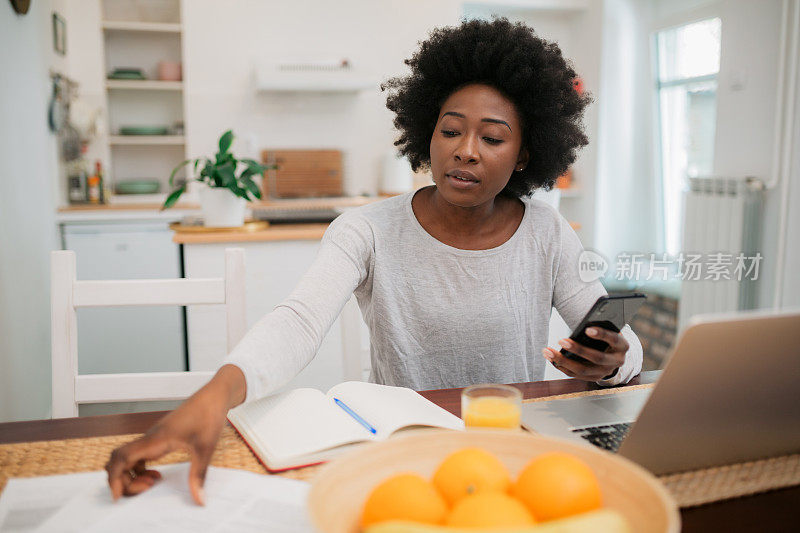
(598, 392)
(45, 458)
(699, 487)
(29, 459)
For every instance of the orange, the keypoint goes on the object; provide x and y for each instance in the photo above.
(468, 471)
(404, 497)
(555, 485)
(489, 509)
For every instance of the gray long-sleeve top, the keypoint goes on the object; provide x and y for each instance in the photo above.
(438, 316)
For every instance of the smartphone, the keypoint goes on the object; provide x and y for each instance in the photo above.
(609, 312)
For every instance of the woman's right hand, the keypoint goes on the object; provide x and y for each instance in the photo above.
(195, 426)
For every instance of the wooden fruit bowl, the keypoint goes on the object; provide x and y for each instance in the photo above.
(340, 489)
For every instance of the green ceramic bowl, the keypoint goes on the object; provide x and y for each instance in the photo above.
(127, 74)
(138, 187)
(143, 130)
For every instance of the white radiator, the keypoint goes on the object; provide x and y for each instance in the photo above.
(721, 221)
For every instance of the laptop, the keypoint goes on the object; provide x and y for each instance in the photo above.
(729, 393)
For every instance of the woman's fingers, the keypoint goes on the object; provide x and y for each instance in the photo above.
(127, 462)
(197, 473)
(141, 470)
(574, 369)
(616, 341)
(564, 369)
(595, 356)
(597, 364)
(140, 483)
(139, 479)
(571, 368)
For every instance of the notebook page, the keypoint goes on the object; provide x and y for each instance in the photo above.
(297, 423)
(389, 408)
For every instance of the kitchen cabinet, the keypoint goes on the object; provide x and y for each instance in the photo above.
(273, 268)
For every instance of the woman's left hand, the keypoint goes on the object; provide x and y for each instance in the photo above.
(599, 365)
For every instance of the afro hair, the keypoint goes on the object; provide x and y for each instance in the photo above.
(528, 70)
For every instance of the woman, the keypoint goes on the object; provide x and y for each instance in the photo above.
(456, 281)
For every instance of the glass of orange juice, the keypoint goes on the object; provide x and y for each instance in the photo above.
(491, 406)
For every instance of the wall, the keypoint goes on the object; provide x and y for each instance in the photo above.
(745, 120)
(791, 282)
(625, 196)
(585, 51)
(27, 197)
(225, 42)
(84, 40)
(746, 101)
(220, 91)
(746, 115)
(578, 32)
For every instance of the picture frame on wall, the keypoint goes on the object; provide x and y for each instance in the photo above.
(59, 34)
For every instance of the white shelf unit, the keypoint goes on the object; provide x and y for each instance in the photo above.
(146, 140)
(148, 27)
(144, 85)
(134, 199)
(140, 35)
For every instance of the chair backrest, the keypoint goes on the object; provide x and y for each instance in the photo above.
(355, 343)
(71, 389)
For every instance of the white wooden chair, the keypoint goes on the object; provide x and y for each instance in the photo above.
(355, 343)
(71, 389)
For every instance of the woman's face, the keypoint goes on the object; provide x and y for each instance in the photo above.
(476, 145)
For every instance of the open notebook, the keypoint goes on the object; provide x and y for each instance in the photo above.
(305, 426)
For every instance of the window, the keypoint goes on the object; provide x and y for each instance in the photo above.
(688, 64)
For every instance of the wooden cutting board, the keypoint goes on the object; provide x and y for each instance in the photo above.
(303, 173)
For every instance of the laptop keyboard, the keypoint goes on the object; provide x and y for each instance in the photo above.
(607, 437)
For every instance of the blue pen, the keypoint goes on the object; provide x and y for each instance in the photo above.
(352, 413)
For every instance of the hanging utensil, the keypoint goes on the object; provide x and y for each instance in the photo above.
(70, 142)
(56, 113)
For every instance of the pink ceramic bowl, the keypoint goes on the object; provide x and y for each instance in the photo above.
(169, 71)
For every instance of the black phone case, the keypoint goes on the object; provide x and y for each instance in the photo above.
(583, 338)
(617, 320)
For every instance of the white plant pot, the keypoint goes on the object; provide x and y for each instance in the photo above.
(221, 208)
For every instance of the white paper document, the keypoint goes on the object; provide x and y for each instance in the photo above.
(235, 501)
(26, 503)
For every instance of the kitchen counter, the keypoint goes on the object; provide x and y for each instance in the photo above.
(279, 231)
(150, 211)
(123, 207)
(276, 232)
(123, 212)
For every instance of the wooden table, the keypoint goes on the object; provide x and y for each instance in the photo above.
(773, 511)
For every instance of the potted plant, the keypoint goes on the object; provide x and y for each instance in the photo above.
(223, 198)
